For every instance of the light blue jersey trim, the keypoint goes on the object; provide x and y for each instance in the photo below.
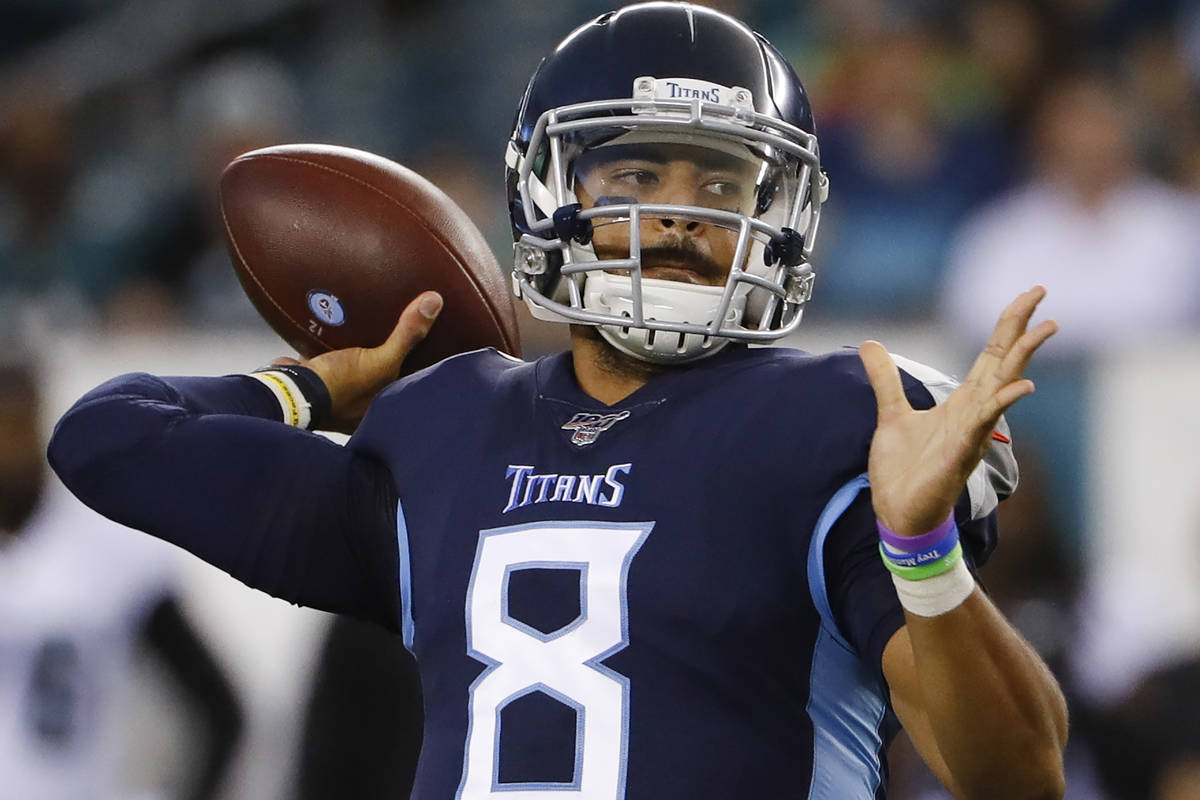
(833, 511)
(846, 701)
(406, 613)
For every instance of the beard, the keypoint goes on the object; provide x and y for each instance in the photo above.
(615, 363)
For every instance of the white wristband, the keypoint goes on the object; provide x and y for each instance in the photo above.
(297, 411)
(935, 596)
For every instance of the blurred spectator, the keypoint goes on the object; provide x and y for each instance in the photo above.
(232, 105)
(78, 595)
(1030, 577)
(919, 103)
(1141, 606)
(24, 22)
(37, 154)
(1189, 32)
(906, 161)
(1034, 578)
(1106, 25)
(1118, 250)
(143, 237)
(1150, 743)
(1163, 97)
(363, 724)
(1014, 44)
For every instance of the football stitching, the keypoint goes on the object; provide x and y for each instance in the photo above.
(246, 268)
(420, 220)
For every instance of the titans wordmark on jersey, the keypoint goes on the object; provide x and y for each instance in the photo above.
(640, 610)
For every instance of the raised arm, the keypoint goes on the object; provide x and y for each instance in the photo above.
(980, 705)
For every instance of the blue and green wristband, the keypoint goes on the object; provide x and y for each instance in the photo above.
(916, 558)
(929, 572)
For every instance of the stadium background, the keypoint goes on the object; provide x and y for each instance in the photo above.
(936, 120)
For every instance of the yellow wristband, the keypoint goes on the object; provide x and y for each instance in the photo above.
(296, 410)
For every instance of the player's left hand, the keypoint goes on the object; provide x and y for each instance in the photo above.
(920, 460)
(355, 375)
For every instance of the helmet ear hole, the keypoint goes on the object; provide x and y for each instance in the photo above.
(541, 161)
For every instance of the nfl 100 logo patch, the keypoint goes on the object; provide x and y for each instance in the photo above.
(586, 427)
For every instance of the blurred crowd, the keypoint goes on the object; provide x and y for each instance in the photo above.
(943, 125)
(974, 148)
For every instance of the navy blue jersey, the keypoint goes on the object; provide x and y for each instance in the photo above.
(676, 596)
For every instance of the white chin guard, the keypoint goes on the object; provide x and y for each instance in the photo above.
(662, 301)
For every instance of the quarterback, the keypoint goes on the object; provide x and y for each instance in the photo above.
(663, 564)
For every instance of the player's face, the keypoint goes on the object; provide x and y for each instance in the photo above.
(672, 249)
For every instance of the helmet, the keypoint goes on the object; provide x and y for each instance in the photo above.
(665, 133)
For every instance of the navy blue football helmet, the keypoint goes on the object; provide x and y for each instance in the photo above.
(673, 122)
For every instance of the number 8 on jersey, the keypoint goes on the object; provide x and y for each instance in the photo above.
(563, 663)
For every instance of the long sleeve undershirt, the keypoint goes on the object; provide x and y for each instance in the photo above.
(205, 463)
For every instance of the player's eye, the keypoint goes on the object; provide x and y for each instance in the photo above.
(635, 177)
(723, 188)
(723, 194)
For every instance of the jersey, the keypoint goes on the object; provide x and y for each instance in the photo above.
(676, 596)
(68, 629)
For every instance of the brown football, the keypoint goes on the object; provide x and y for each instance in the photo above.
(331, 244)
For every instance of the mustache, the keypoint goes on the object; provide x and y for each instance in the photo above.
(679, 252)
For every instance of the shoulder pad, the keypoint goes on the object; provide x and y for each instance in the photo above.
(482, 365)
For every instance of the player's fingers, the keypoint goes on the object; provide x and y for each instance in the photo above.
(884, 376)
(1009, 328)
(1000, 402)
(413, 326)
(1019, 356)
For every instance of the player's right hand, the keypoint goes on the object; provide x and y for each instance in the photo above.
(355, 375)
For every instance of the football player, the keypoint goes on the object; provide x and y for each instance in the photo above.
(79, 597)
(662, 564)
